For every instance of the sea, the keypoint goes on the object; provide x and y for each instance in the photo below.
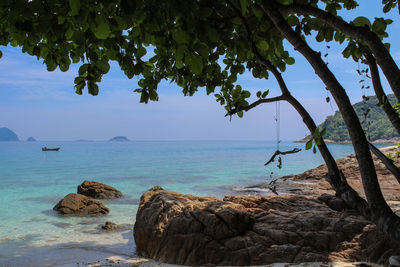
(33, 181)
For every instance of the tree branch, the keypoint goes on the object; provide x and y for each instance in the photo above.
(256, 103)
(364, 34)
(278, 152)
(382, 98)
(388, 163)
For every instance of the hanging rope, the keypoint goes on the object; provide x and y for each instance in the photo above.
(278, 152)
(277, 122)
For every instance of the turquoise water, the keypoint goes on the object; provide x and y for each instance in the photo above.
(32, 182)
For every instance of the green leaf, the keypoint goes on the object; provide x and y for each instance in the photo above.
(60, 19)
(243, 6)
(103, 65)
(309, 144)
(202, 49)
(102, 31)
(361, 21)
(69, 33)
(323, 132)
(240, 114)
(264, 95)
(179, 64)
(314, 150)
(259, 94)
(258, 13)
(263, 45)
(289, 61)
(292, 20)
(285, 2)
(246, 94)
(388, 21)
(1, 54)
(75, 5)
(180, 36)
(212, 34)
(196, 64)
(93, 88)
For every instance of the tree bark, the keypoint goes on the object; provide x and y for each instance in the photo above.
(380, 212)
(364, 34)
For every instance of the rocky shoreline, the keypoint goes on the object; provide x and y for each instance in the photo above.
(304, 223)
(311, 183)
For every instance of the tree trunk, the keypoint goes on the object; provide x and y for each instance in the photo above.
(380, 212)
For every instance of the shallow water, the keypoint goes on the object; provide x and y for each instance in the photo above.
(32, 182)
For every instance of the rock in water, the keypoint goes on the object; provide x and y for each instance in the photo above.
(252, 230)
(7, 135)
(80, 205)
(119, 139)
(98, 190)
(156, 188)
(109, 226)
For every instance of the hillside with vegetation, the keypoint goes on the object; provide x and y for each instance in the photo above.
(377, 125)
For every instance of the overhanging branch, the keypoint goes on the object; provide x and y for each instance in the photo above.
(364, 34)
(256, 103)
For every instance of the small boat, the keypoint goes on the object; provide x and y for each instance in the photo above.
(50, 149)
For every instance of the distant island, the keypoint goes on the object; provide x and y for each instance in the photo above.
(119, 139)
(380, 129)
(7, 135)
(31, 139)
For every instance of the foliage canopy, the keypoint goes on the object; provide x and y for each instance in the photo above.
(195, 43)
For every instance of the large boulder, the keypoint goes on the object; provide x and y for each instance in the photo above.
(80, 205)
(98, 190)
(249, 230)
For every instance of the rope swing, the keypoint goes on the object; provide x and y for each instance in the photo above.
(278, 152)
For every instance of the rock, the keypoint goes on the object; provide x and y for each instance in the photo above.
(109, 226)
(333, 202)
(77, 204)
(98, 190)
(156, 188)
(7, 135)
(119, 139)
(251, 230)
(31, 139)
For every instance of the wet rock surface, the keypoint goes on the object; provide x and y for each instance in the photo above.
(80, 205)
(98, 190)
(252, 230)
(109, 226)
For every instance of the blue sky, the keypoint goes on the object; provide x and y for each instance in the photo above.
(34, 102)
